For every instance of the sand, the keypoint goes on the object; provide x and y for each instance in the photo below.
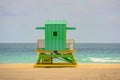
(81, 72)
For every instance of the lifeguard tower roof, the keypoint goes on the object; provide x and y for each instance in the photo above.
(56, 22)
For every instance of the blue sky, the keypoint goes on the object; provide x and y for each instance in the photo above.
(97, 21)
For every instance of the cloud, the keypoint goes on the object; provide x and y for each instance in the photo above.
(16, 7)
(89, 16)
(105, 3)
(97, 7)
(26, 7)
(115, 20)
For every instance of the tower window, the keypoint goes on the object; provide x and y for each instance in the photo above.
(55, 33)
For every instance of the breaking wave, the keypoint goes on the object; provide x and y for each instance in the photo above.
(107, 59)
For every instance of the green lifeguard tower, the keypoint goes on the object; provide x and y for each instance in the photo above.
(55, 45)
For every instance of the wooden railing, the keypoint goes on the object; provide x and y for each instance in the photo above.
(70, 44)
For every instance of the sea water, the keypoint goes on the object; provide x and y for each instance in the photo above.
(86, 53)
(98, 53)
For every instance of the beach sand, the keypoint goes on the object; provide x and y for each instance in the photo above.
(81, 72)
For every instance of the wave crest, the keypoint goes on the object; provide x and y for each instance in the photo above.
(115, 60)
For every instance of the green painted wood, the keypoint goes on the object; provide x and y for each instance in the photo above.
(54, 55)
(56, 22)
(38, 28)
(55, 34)
(71, 28)
(53, 42)
(39, 58)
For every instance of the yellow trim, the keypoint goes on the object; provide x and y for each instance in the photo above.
(56, 65)
(49, 60)
(59, 51)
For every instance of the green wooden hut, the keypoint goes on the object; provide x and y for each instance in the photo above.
(55, 34)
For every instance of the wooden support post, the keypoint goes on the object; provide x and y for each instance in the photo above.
(39, 58)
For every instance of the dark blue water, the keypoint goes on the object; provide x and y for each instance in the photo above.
(86, 53)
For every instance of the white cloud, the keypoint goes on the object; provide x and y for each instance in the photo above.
(115, 20)
(97, 7)
(26, 7)
(86, 15)
(105, 3)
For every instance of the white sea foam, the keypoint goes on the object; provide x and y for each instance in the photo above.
(83, 59)
(107, 59)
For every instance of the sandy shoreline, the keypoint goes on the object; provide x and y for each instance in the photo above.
(81, 72)
(22, 65)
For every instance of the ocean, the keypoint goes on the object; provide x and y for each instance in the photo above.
(86, 53)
